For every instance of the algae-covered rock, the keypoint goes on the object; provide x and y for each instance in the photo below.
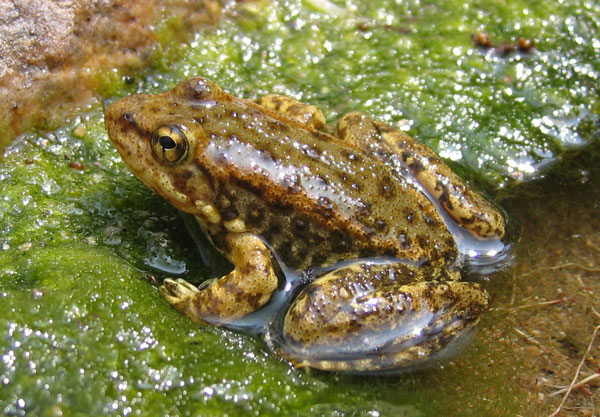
(503, 111)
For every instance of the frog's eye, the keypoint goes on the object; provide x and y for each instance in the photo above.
(169, 144)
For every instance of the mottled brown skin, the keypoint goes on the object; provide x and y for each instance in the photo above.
(259, 180)
(466, 206)
(409, 306)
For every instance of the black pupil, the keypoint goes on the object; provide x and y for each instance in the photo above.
(167, 142)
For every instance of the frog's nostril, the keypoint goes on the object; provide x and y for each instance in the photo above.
(128, 117)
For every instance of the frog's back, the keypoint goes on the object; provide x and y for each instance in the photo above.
(314, 198)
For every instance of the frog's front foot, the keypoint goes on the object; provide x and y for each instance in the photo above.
(178, 293)
(371, 319)
(245, 289)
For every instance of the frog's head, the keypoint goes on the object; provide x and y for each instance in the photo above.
(159, 137)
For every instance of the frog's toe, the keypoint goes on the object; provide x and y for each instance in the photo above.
(176, 291)
(188, 287)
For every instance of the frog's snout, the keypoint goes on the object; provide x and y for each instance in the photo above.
(119, 120)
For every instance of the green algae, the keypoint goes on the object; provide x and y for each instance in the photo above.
(82, 242)
(500, 114)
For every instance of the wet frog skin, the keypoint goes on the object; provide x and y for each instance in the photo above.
(274, 193)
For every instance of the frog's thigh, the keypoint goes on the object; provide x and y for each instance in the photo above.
(342, 322)
(296, 110)
(245, 289)
(467, 207)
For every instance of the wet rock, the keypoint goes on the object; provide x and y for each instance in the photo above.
(51, 51)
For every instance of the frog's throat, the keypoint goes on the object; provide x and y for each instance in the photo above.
(161, 183)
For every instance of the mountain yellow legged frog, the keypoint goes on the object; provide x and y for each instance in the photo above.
(357, 224)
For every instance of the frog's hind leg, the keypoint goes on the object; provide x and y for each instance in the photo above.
(394, 147)
(245, 289)
(374, 318)
(306, 114)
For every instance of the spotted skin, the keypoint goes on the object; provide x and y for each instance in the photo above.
(265, 183)
(242, 291)
(466, 206)
(321, 331)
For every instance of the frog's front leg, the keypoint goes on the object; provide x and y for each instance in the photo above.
(375, 318)
(245, 289)
(466, 206)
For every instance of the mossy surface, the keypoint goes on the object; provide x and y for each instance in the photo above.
(501, 114)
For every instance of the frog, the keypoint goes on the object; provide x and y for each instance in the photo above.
(359, 212)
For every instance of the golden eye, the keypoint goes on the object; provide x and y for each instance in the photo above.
(169, 144)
